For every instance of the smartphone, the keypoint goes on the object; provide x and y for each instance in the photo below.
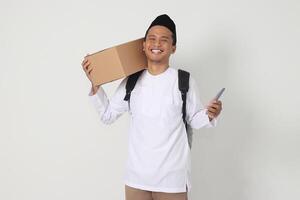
(219, 94)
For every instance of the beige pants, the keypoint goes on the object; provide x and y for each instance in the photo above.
(137, 194)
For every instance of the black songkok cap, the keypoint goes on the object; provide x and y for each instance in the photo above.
(166, 21)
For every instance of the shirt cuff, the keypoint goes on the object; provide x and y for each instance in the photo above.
(212, 123)
(99, 99)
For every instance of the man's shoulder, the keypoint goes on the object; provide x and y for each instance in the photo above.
(173, 70)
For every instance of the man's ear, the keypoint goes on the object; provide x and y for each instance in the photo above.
(173, 48)
(144, 46)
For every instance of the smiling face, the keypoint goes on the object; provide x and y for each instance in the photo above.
(158, 45)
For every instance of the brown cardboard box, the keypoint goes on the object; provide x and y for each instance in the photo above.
(117, 62)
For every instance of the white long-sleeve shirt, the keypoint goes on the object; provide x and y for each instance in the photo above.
(159, 157)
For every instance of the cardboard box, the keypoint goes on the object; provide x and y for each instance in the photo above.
(117, 62)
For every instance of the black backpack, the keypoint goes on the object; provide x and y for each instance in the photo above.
(183, 85)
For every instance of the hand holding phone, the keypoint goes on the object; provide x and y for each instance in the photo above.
(215, 107)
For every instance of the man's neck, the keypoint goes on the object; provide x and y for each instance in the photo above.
(157, 68)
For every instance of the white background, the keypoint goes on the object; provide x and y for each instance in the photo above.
(53, 145)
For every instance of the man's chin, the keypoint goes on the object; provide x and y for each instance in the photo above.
(155, 58)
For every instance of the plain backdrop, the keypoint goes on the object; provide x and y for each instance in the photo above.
(53, 144)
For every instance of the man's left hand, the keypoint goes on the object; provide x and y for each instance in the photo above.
(214, 109)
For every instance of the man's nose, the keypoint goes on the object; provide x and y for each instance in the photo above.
(157, 43)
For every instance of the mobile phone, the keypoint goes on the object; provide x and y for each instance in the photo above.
(219, 94)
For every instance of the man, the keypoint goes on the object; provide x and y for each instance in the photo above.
(158, 165)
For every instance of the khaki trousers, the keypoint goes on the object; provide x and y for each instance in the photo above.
(138, 194)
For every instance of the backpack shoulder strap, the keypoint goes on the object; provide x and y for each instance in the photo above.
(131, 81)
(183, 85)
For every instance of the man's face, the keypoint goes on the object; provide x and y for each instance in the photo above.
(158, 44)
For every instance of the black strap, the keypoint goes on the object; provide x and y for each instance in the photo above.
(183, 84)
(131, 81)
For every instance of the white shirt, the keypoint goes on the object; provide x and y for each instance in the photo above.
(159, 157)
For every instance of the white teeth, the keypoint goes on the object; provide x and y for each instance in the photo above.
(156, 51)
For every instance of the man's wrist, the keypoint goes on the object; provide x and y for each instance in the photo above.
(95, 88)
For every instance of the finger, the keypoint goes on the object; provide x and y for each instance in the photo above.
(89, 71)
(89, 68)
(211, 109)
(214, 106)
(86, 66)
(219, 105)
(84, 61)
(215, 110)
(211, 115)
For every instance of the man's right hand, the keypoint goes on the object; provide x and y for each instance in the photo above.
(87, 68)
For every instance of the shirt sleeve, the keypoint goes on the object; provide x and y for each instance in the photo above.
(111, 109)
(195, 112)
